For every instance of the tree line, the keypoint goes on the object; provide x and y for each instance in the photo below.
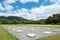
(55, 19)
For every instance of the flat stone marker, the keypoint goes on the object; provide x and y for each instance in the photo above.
(56, 30)
(31, 35)
(13, 29)
(19, 30)
(47, 32)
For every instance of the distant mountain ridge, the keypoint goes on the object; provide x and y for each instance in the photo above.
(12, 18)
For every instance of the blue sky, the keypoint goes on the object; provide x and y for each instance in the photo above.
(29, 9)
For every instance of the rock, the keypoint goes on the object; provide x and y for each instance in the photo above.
(13, 29)
(56, 30)
(19, 30)
(31, 35)
(47, 32)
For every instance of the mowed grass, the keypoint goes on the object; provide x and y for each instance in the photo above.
(55, 37)
(39, 25)
(4, 35)
(34, 25)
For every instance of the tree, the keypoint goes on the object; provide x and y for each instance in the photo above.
(55, 19)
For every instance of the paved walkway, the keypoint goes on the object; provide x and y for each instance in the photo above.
(21, 31)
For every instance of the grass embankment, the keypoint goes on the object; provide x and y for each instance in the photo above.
(4, 35)
(55, 37)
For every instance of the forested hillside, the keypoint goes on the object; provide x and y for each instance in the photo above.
(55, 19)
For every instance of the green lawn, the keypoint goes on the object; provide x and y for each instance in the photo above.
(55, 37)
(35, 25)
(4, 35)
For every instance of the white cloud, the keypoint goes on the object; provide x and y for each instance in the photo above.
(1, 7)
(7, 5)
(5, 14)
(45, 11)
(34, 13)
(9, 1)
(41, 12)
(25, 1)
(55, 1)
(8, 8)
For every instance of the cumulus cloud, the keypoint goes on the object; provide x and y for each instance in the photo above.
(1, 7)
(25, 1)
(5, 14)
(22, 1)
(7, 5)
(9, 1)
(38, 13)
(8, 8)
(45, 11)
(55, 1)
(34, 13)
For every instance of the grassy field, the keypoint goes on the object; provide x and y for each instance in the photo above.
(55, 37)
(35, 25)
(40, 25)
(4, 35)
